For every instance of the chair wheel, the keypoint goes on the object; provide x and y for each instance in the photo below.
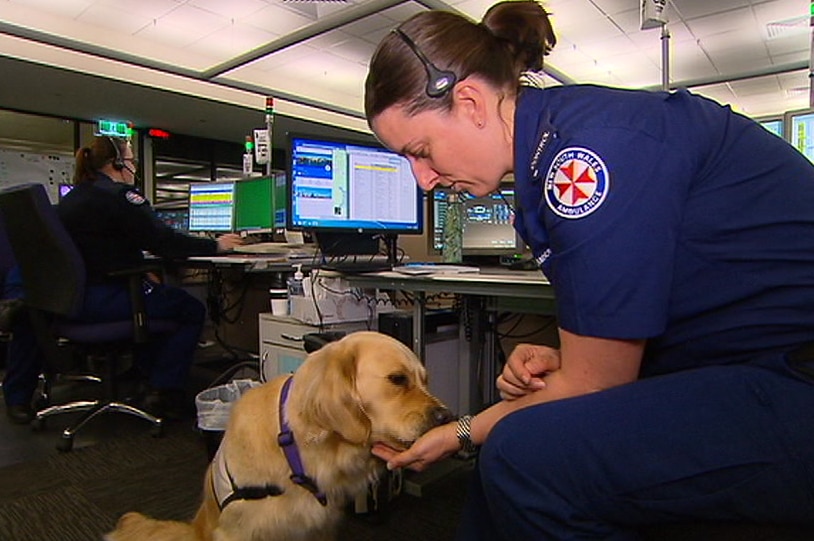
(38, 425)
(65, 445)
(157, 430)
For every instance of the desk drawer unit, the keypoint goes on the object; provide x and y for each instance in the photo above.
(281, 350)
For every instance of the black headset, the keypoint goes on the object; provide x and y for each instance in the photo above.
(118, 161)
(439, 82)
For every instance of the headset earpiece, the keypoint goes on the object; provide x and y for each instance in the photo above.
(118, 161)
(439, 81)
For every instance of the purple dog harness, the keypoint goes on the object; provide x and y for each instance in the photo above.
(226, 490)
(286, 440)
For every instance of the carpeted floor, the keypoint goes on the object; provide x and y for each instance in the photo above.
(78, 496)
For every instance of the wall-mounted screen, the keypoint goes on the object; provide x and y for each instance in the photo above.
(349, 186)
(211, 206)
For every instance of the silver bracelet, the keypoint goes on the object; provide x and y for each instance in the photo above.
(464, 432)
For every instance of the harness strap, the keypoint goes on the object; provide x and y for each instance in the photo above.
(224, 495)
(286, 441)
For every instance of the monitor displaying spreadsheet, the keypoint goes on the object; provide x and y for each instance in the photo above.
(211, 206)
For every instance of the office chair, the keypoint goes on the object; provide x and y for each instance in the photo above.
(53, 276)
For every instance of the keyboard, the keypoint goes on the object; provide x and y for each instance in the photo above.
(357, 266)
(277, 248)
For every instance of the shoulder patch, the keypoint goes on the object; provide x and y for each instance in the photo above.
(134, 197)
(577, 183)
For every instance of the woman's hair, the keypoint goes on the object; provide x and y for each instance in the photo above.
(89, 160)
(513, 37)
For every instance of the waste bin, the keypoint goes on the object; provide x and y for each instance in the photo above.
(214, 406)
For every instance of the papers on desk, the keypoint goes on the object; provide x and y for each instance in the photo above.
(419, 269)
(518, 277)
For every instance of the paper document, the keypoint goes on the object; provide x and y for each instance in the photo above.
(418, 269)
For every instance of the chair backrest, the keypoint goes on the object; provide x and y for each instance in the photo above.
(51, 266)
(7, 261)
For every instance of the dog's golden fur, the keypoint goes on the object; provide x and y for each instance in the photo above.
(363, 389)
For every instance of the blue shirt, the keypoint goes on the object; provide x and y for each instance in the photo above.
(667, 216)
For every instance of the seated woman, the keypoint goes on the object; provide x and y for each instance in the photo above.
(112, 225)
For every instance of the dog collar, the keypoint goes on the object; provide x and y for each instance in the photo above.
(285, 439)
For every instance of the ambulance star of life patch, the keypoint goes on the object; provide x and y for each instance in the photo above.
(577, 183)
(134, 197)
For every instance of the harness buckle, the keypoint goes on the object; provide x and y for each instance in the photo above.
(285, 438)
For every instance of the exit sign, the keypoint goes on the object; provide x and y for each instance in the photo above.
(114, 128)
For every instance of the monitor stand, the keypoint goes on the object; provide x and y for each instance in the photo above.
(352, 252)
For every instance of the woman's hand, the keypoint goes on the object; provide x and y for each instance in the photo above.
(227, 242)
(438, 443)
(525, 370)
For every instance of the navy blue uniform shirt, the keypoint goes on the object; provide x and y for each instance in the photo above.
(667, 216)
(112, 224)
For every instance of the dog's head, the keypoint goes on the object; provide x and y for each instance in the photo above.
(367, 387)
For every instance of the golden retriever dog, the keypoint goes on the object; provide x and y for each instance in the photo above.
(348, 395)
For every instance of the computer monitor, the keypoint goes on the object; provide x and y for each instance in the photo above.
(800, 131)
(487, 223)
(774, 125)
(211, 206)
(349, 186)
(178, 219)
(260, 204)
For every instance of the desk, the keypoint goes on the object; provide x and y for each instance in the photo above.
(487, 292)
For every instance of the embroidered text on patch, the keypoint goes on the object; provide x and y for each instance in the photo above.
(577, 183)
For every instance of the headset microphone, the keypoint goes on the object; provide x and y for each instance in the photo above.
(118, 161)
(439, 81)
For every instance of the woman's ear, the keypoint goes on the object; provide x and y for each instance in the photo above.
(469, 101)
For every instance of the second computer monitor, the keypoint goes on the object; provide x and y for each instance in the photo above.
(487, 225)
(211, 206)
(260, 204)
(347, 186)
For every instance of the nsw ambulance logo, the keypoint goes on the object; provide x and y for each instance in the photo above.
(577, 183)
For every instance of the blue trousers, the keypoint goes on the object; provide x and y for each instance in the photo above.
(718, 443)
(166, 359)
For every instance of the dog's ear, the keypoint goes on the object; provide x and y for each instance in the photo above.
(327, 397)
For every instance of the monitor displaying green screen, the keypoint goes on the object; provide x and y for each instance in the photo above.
(255, 208)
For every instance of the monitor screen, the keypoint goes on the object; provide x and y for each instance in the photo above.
(349, 186)
(255, 205)
(487, 223)
(178, 219)
(211, 206)
(801, 132)
(773, 125)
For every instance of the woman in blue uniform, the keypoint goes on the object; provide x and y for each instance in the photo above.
(679, 239)
(112, 225)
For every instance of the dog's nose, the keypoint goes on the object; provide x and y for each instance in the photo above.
(441, 415)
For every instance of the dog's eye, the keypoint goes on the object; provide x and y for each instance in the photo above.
(398, 379)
